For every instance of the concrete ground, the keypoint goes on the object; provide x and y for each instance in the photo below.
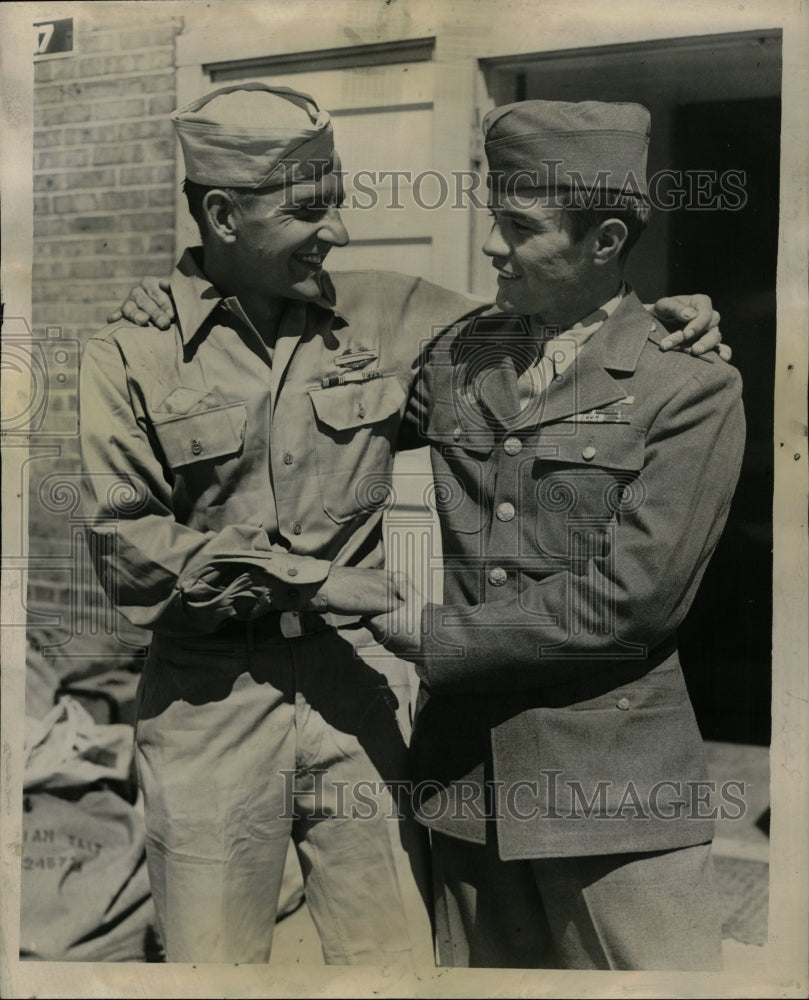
(741, 855)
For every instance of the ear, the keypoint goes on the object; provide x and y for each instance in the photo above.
(218, 207)
(610, 238)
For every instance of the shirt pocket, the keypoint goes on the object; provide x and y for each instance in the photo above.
(582, 485)
(356, 429)
(204, 437)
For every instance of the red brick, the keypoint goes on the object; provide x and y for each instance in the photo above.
(164, 104)
(158, 149)
(62, 114)
(128, 245)
(160, 34)
(50, 182)
(91, 134)
(160, 128)
(47, 138)
(94, 224)
(162, 243)
(54, 159)
(42, 269)
(51, 70)
(129, 62)
(100, 41)
(116, 110)
(148, 222)
(130, 153)
(58, 93)
(91, 178)
(162, 173)
(161, 196)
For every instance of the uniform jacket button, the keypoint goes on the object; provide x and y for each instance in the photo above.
(512, 446)
(497, 576)
(623, 704)
(292, 571)
(456, 434)
(196, 447)
(505, 511)
(288, 458)
(589, 453)
(297, 528)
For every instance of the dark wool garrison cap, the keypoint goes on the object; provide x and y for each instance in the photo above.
(557, 144)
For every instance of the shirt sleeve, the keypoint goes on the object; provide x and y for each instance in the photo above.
(163, 575)
(624, 602)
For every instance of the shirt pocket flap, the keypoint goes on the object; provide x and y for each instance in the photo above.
(200, 437)
(608, 446)
(357, 404)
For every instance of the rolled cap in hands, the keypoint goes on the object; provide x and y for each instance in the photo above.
(558, 144)
(255, 136)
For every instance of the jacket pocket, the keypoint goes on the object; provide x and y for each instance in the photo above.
(461, 450)
(581, 485)
(203, 436)
(356, 429)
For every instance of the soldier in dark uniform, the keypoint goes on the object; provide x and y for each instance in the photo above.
(584, 479)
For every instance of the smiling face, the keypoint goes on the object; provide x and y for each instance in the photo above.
(541, 270)
(282, 237)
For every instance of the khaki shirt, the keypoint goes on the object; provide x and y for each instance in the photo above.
(206, 456)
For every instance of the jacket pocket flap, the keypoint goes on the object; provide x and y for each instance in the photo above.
(359, 403)
(199, 437)
(608, 446)
(444, 425)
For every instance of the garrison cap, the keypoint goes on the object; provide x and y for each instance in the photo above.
(558, 144)
(254, 136)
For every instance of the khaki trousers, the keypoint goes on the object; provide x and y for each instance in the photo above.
(244, 744)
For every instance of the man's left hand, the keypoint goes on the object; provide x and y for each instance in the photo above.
(693, 324)
(400, 629)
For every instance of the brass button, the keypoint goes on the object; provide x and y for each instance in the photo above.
(623, 704)
(456, 434)
(497, 576)
(196, 447)
(296, 528)
(288, 458)
(512, 446)
(589, 453)
(360, 411)
(292, 571)
(505, 511)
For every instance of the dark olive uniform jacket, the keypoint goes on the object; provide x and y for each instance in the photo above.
(573, 549)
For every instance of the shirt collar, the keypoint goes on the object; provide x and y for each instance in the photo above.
(195, 298)
(563, 346)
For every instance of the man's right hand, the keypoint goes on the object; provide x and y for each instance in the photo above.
(147, 303)
(363, 592)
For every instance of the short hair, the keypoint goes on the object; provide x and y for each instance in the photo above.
(633, 210)
(195, 193)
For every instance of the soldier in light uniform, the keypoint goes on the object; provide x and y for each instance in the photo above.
(256, 434)
(585, 478)
(253, 438)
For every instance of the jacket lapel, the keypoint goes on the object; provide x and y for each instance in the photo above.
(615, 347)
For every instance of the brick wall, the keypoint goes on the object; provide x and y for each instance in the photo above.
(104, 197)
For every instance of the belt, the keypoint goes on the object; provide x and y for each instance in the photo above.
(274, 625)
